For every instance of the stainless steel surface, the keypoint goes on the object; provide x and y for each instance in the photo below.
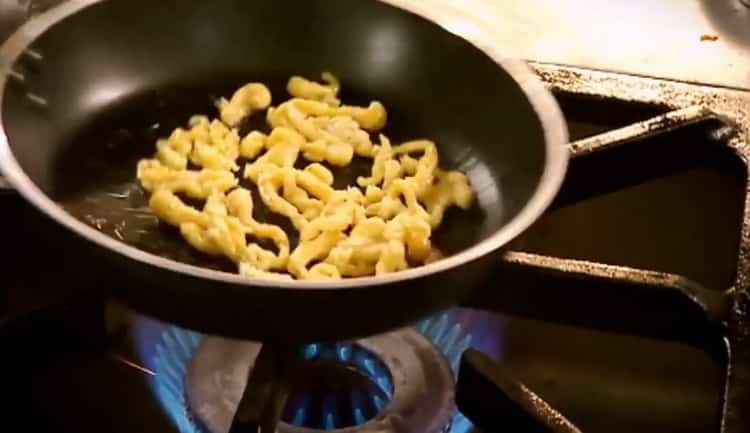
(656, 38)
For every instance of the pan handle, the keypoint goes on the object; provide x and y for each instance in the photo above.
(614, 298)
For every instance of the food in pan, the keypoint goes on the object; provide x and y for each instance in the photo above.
(382, 224)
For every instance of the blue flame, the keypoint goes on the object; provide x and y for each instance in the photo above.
(299, 417)
(336, 408)
(166, 350)
(358, 417)
(455, 331)
(329, 406)
(311, 351)
(344, 352)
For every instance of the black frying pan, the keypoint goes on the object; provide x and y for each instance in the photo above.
(88, 86)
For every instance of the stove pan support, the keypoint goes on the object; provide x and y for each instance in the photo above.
(485, 389)
(268, 386)
(615, 298)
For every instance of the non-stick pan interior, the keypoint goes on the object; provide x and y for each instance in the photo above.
(120, 73)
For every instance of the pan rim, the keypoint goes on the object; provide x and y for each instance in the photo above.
(446, 17)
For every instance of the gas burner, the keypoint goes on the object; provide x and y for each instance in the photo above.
(402, 366)
(167, 351)
(344, 385)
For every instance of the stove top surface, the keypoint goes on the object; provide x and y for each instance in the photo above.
(77, 364)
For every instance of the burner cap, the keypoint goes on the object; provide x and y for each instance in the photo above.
(422, 381)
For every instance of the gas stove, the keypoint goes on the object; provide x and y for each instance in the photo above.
(629, 313)
(576, 345)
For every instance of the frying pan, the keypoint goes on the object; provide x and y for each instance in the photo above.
(88, 87)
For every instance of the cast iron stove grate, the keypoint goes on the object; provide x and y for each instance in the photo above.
(616, 298)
